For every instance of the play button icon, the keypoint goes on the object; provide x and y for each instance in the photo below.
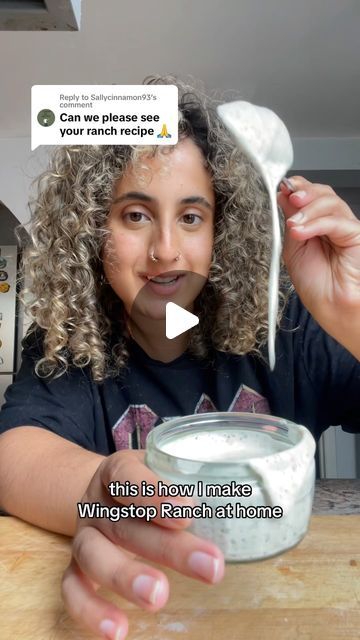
(178, 320)
(163, 307)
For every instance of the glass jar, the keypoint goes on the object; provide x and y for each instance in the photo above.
(255, 472)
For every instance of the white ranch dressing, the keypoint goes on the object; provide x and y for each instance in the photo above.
(282, 469)
(263, 137)
(280, 474)
(223, 446)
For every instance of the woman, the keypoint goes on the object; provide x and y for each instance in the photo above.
(116, 231)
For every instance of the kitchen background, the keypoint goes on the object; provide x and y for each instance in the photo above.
(299, 59)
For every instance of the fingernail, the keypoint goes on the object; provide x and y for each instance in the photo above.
(111, 630)
(300, 194)
(175, 502)
(288, 184)
(204, 565)
(298, 217)
(147, 588)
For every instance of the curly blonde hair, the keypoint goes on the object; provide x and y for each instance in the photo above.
(74, 305)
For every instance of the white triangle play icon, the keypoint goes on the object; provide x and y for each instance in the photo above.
(178, 320)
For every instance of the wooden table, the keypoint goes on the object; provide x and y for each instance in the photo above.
(309, 593)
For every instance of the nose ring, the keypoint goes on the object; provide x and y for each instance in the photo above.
(152, 257)
(155, 259)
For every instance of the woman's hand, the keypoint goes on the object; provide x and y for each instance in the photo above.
(322, 255)
(100, 552)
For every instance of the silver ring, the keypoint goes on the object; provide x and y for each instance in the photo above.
(154, 259)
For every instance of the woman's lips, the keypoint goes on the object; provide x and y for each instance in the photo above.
(165, 288)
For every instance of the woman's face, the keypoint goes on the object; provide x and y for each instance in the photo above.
(167, 212)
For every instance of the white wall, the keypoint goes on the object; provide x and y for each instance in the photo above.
(327, 153)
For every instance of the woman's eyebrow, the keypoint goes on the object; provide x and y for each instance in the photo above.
(134, 195)
(197, 200)
(138, 195)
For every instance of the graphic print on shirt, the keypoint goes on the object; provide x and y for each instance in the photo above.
(138, 419)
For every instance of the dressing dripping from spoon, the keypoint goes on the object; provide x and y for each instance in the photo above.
(263, 137)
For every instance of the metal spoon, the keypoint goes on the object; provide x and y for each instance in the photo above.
(263, 137)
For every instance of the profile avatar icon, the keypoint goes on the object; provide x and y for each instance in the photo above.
(46, 117)
(164, 132)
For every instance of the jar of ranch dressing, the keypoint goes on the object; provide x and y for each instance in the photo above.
(251, 477)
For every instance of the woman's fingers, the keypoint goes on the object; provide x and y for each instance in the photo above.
(321, 240)
(101, 547)
(97, 562)
(300, 186)
(178, 550)
(90, 610)
(128, 467)
(325, 217)
(321, 217)
(308, 195)
(315, 210)
(342, 233)
(107, 565)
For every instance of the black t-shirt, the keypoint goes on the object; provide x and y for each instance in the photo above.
(316, 382)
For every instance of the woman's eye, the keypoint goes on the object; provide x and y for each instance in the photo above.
(191, 219)
(135, 216)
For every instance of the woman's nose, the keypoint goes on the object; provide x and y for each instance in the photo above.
(165, 247)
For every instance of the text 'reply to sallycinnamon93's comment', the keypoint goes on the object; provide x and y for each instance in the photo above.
(104, 114)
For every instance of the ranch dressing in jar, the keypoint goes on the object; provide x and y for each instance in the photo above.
(252, 478)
